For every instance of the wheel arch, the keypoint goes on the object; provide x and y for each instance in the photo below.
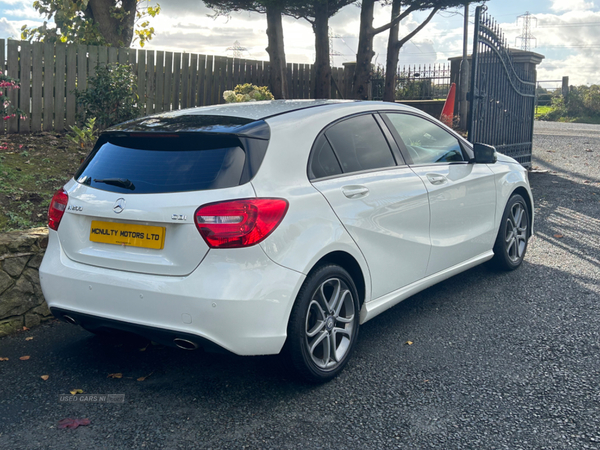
(351, 265)
(525, 194)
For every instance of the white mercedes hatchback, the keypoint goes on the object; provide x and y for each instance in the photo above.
(280, 226)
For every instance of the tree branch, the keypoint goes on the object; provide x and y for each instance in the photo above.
(397, 19)
(410, 35)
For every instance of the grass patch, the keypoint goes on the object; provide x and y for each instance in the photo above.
(586, 119)
(543, 113)
(541, 110)
(32, 168)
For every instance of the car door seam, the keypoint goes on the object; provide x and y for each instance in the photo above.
(429, 208)
(351, 237)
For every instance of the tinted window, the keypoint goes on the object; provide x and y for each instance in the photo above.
(323, 162)
(176, 163)
(425, 141)
(360, 145)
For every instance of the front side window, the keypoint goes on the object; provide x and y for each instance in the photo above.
(359, 144)
(426, 142)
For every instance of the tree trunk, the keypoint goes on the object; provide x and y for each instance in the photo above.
(365, 53)
(278, 75)
(391, 67)
(116, 32)
(322, 64)
(394, 46)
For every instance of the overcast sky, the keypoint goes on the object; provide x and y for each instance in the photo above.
(566, 33)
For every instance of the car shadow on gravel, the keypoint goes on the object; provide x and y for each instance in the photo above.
(568, 214)
(135, 357)
(561, 170)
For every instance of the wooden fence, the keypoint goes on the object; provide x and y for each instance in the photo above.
(51, 74)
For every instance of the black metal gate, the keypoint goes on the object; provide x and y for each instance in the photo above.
(502, 97)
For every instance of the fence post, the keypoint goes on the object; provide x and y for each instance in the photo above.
(2, 69)
(168, 92)
(176, 81)
(59, 88)
(150, 83)
(36, 86)
(160, 81)
(141, 77)
(48, 87)
(193, 80)
(208, 86)
(565, 89)
(185, 80)
(349, 68)
(229, 85)
(71, 83)
(464, 74)
(13, 72)
(473, 96)
(102, 56)
(25, 91)
(82, 75)
(201, 79)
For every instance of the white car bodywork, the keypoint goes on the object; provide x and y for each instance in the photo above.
(404, 234)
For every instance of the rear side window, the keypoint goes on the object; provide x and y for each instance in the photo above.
(323, 162)
(173, 163)
(360, 145)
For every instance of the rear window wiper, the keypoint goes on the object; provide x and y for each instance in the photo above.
(119, 182)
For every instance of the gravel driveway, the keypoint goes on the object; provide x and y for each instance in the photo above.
(497, 360)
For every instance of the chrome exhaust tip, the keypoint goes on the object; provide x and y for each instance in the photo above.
(70, 320)
(185, 344)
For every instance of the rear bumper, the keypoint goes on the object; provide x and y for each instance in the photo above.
(236, 299)
(159, 335)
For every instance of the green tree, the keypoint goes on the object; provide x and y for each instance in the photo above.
(318, 13)
(116, 23)
(112, 97)
(582, 105)
(591, 100)
(367, 33)
(273, 10)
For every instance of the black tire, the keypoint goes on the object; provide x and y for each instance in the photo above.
(513, 235)
(335, 326)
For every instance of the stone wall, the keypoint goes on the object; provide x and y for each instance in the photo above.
(21, 299)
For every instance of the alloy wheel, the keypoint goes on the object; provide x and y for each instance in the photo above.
(329, 323)
(516, 232)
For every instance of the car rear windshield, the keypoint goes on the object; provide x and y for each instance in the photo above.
(146, 164)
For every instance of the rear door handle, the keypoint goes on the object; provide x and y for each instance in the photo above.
(436, 178)
(355, 191)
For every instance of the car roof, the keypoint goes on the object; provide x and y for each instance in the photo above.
(258, 110)
(235, 117)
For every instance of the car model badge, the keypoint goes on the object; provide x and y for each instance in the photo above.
(119, 206)
(330, 323)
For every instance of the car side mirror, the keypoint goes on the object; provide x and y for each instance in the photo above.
(484, 154)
